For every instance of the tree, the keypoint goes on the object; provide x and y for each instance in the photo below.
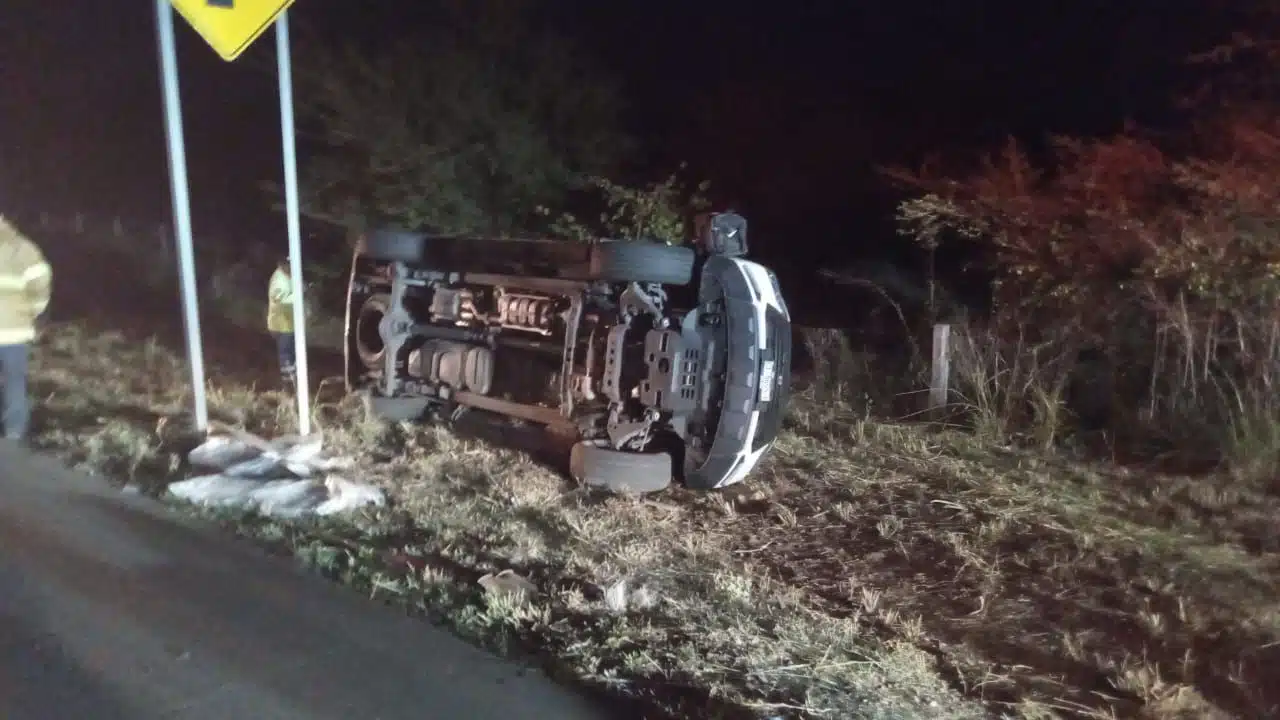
(467, 127)
(662, 211)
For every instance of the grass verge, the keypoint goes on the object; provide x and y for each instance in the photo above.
(872, 570)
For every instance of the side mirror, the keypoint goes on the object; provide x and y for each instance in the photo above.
(722, 233)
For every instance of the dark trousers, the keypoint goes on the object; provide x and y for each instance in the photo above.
(15, 412)
(287, 354)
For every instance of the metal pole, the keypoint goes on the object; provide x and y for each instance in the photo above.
(181, 208)
(292, 214)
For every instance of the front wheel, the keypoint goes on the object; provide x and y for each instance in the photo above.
(395, 409)
(618, 471)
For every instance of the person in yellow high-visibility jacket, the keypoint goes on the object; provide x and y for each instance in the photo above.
(26, 283)
(280, 297)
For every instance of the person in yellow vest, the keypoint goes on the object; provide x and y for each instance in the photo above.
(280, 298)
(26, 283)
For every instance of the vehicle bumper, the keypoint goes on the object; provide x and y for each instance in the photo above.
(757, 371)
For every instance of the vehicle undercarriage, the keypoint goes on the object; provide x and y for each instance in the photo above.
(614, 363)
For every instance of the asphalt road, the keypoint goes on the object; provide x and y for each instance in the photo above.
(113, 608)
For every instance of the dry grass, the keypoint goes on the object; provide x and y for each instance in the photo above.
(694, 627)
(872, 570)
(1048, 586)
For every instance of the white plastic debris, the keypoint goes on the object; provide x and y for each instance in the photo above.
(287, 477)
(508, 584)
(345, 496)
(615, 597)
(221, 452)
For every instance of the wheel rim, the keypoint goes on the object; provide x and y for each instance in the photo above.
(369, 345)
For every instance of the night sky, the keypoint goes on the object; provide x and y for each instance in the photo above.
(786, 107)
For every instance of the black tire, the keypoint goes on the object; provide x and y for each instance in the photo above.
(404, 246)
(395, 409)
(620, 472)
(645, 262)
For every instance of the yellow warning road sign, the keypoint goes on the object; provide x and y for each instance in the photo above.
(230, 26)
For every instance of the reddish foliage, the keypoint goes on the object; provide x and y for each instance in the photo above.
(1119, 216)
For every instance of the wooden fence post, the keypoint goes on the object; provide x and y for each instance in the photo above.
(940, 377)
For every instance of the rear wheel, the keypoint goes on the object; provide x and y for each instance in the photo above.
(618, 471)
(616, 261)
(396, 246)
(641, 261)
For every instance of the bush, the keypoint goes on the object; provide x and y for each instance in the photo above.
(1164, 260)
(661, 211)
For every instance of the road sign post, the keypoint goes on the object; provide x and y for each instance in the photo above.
(230, 26)
(287, 138)
(181, 209)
